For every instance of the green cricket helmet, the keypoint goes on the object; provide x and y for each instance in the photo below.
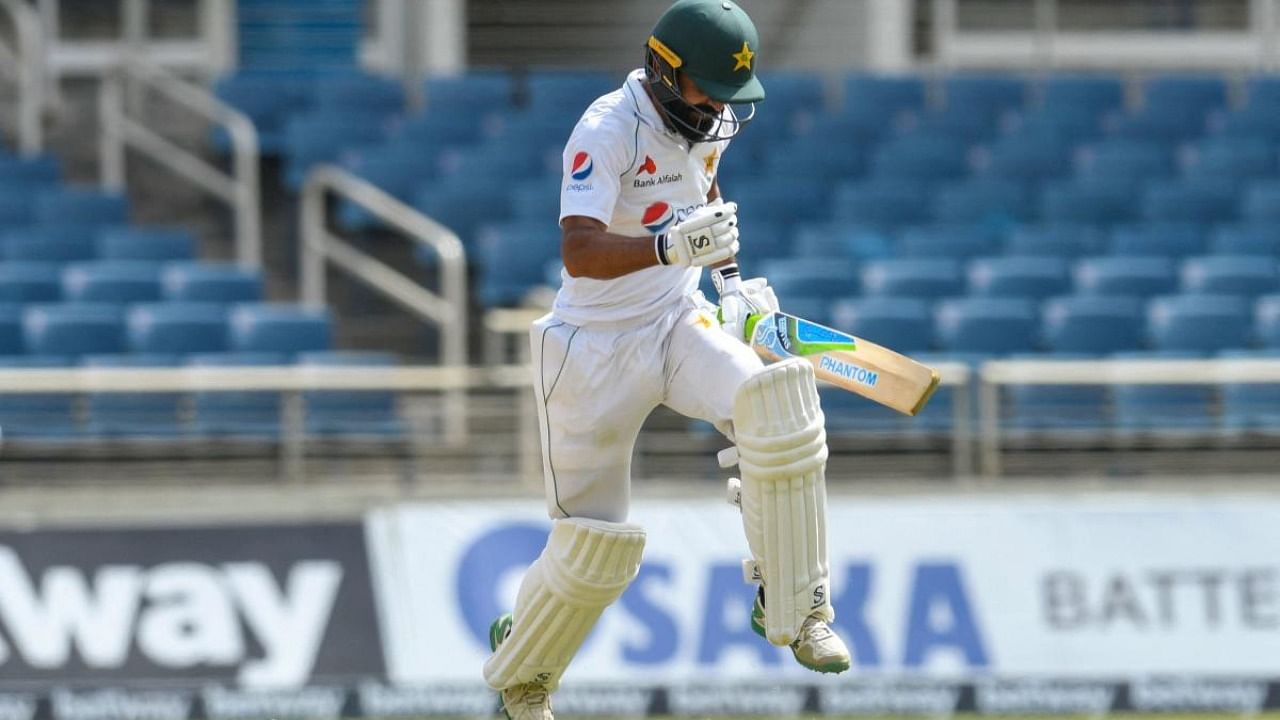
(715, 43)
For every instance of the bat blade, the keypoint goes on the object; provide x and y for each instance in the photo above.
(860, 366)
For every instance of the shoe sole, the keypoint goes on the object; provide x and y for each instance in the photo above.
(498, 631)
(757, 624)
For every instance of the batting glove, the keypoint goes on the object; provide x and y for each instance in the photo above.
(741, 298)
(708, 236)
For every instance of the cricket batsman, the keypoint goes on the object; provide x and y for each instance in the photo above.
(641, 216)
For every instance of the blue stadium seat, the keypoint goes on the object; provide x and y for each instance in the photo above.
(279, 328)
(816, 155)
(1198, 200)
(498, 160)
(802, 89)
(800, 96)
(268, 99)
(11, 335)
(1067, 92)
(1026, 157)
(41, 170)
(956, 241)
(882, 94)
(394, 169)
(1236, 158)
(16, 207)
(1167, 123)
(470, 94)
(1157, 239)
(1092, 324)
(463, 204)
(1199, 323)
(1245, 239)
(1070, 125)
(859, 127)
(1267, 321)
(1251, 407)
(764, 240)
(177, 328)
(81, 207)
(1088, 201)
(22, 282)
(1137, 276)
(134, 415)
(904, 324)
(912, 278)
(356, 413)
(1062, 240)
(319, 137)
(541, 130)
(149, 244)
(1018, 277)
(957, 124)
(1123, 160)
(236, 414)
(783, 200)
(984, 93)
(881, 203)
(1261, 201)
(819, 278)
(840, 239)
(360, 92)
(511, 257)
(557, 90)
(73, 329)
(1246, 275)
(1146, 408)
(58, 244)
(987, 325)
(119, 281)
(38, 416)
(1255, 121)
(922, 158)
(435, 130)
(1262, 91)
(1072, 408)
(537, 199)
(991, 202)
(215, 282)
(1176, 90)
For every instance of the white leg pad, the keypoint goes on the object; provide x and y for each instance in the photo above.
(782, 456)
(586, 565)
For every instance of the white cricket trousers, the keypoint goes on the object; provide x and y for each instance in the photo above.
(595, 384)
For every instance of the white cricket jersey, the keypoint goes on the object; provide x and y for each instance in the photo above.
(625, 169)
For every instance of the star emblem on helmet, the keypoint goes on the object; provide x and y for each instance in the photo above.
(744, 57)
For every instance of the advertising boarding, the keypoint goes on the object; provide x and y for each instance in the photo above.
(998, 605)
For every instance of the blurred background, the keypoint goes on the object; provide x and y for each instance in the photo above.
(267, 267)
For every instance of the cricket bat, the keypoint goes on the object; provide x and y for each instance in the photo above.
(874, 372)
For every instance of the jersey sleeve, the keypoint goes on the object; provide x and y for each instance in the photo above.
(594, 162)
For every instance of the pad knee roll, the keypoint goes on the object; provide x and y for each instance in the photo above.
(585, 567)
(782, 454)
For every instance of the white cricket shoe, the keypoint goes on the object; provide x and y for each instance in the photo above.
(817, 647)
(529, 701)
